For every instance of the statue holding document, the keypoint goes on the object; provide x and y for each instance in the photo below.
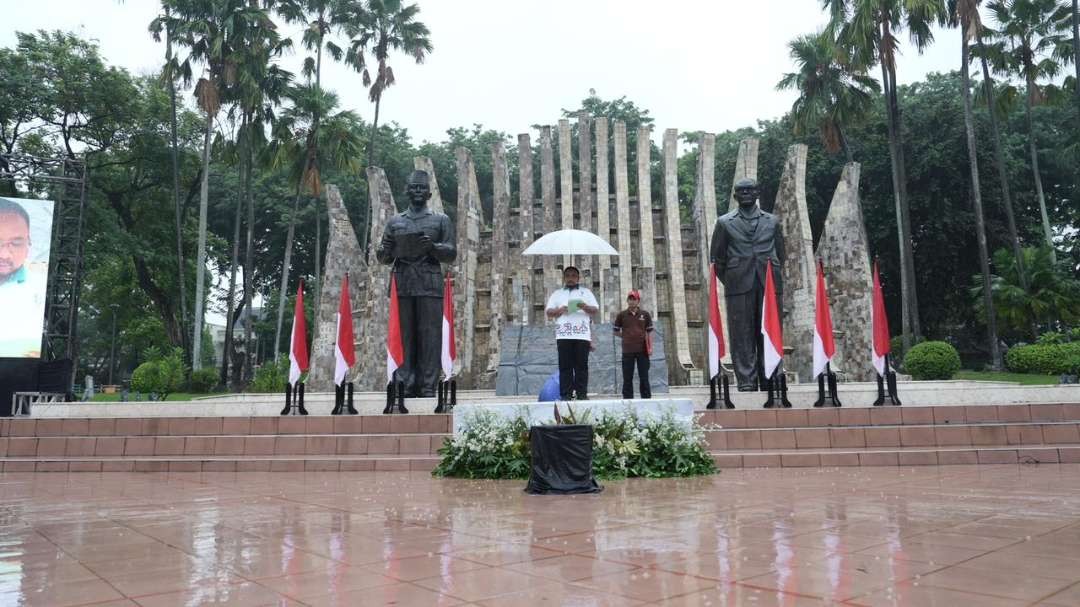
(417, 242)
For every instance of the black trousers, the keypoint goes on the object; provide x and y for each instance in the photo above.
(573, 368)
(744, 329)
(421, 333)
(640, 359)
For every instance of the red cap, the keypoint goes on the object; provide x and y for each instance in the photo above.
(634, 293)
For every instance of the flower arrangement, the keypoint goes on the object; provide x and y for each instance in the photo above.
(625, 444)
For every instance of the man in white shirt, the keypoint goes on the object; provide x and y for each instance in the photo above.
(22, 291)
(572, 307)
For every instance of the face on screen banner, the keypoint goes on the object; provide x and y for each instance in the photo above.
(25, 229)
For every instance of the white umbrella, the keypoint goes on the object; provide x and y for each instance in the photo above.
(570, 242)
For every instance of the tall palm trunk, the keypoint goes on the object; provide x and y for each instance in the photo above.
(374, 132)
(976, 194)
(230, 320)
(200, 261)
(249, 260)
(999, 162)
(1076, 51)
(180, 279)
(283, 296)
(1033, 147)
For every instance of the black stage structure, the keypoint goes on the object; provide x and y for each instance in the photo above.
(64, 180)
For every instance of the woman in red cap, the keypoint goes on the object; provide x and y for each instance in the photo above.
(635, 326)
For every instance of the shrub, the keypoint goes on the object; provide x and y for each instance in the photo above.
(896, 348)
(271, 376)
(1044, 359)
(162, 374)
(204, 380)
(1051, 337)
(932, 360)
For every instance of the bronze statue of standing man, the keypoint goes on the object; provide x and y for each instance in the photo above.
(417, 242)
(743, 241)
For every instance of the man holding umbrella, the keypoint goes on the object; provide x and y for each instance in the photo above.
(572, 307)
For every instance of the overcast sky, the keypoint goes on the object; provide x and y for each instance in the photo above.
(510, 64)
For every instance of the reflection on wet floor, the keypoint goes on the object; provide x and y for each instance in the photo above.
(964, 535)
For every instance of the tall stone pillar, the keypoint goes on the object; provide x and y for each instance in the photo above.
(586, 203)
(603, 220)
(465, 267)
(844, 251)
(343, 254)
(500, 256)
(673, 236)
(622, 215)
(746, 165)
(705, 214)
(551, 216)
(648, 252)
(798, 264)
(526, 200)
(375, 308)
(423, 163)
(566, 179)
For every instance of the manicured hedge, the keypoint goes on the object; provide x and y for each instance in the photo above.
(1044, 359)
(932, 360)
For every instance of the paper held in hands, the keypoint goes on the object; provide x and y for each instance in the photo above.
(574, 305)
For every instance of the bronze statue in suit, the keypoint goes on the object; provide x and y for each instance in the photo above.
(742, 242)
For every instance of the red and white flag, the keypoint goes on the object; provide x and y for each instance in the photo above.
(773, 341)
(716, 326)
(881, 325)
(824, 345)
(345, 350)
(298, 353)
(395, 349)
(449, 347)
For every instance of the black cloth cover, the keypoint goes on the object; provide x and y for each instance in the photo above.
(16, 375)
(561, 460)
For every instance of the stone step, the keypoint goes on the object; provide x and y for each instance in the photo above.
(210, 426)
(283, 463)
(890, 416)
(900, 456)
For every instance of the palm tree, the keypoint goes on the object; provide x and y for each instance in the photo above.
(966, 13)
(1076, 50)
(379, 28)
(296, 133)
(867, 30)
(1029, 33)
(832, 92)
(1050, 298)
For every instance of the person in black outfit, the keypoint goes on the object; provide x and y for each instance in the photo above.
(633, 325)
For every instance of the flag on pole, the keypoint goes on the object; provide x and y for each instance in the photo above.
(395, 349)
(298, 354)
(449, 348)
(716, 326)
(824, 345)
(345, 350)
(773, 341)
(881, 325)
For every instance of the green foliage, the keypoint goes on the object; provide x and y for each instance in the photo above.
(932, 360)
(1045, 359)
(271, 376)
(624, 445)
(1051, 337)
(162, 374)
(204, 380)
(1052, 297)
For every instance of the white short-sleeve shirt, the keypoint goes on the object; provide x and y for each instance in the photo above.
(574, 325)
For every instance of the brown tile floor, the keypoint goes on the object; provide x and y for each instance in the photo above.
(948, 536)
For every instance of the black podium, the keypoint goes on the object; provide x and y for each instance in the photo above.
(561, 460)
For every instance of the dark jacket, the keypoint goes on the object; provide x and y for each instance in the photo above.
(418, 274)
(740, 249)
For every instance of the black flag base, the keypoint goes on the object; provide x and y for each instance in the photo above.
(777, 398)
(343, 400)
(447, 396)
(395, 398)
(886, 386)
(294, 399)
(720, 384)
(830, 398)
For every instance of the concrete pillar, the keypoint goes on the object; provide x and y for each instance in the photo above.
(423, 163)
(465, 268)
(586, 203)
(551, 216)
(375, 308)
(648, 253)
(622, 214)
(526, 200)
(705, 214)
(673, 236)
(797, 305)
(844, 251)
(603, 219)
(746, 165)
(500, 254)
(566, 180)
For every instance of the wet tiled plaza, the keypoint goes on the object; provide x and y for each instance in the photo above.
(950, 535)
